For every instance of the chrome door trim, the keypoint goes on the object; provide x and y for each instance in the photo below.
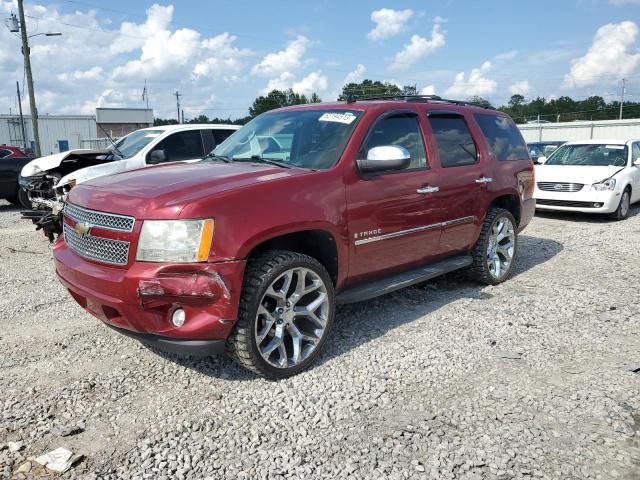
(458, 221)
(410, 231)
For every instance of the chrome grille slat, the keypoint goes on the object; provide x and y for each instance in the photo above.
(560, 187)
(107, 250)
(110, 221)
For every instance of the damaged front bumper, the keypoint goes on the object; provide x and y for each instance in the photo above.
(140, 300)
(47, 202)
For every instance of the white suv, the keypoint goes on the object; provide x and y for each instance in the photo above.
(592, 176)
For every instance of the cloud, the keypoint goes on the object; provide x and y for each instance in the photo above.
(506, 56)
(284, 60)
(477, 84)
(428, 90)
(221, 57)
(355, 76)
(388, 23)
(133, 36)
(521, 87)
(609, 56)
(91, 74)
(314, 82)
(418, 48)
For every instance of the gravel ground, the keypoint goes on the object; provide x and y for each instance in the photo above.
(536, 378)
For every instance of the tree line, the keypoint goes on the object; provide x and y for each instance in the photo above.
(562, 109)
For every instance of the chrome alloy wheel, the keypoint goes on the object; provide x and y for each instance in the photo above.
(292, 317)
(501, 247)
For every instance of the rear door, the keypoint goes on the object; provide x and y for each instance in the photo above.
(462, 180)
(392, 224)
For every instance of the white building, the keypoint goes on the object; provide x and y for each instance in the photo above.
(59, 133)
(582, 130)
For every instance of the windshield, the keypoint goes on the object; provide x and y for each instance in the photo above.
(305, 138)
(136, 141)
(590, 155)
(542, 149)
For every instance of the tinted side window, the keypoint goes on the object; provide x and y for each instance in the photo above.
(455, 143)
(4, 153)
(221, 135)
(182, 146)
(635, 152)
(401, 130)
(503, 137)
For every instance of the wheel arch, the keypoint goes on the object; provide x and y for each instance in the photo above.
(510, 202)
(318, 243)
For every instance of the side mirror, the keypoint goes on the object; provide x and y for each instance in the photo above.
(542, 160)
(636, 162)
(385, 158)
(157, 156)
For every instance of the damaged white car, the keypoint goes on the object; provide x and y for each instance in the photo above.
(49, 179)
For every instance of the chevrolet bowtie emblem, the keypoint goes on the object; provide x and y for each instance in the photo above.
(82, 229)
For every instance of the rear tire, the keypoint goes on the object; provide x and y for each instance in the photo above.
(285, 314)
(624, 207)
(494, 254)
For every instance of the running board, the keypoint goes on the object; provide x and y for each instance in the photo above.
(386, 285)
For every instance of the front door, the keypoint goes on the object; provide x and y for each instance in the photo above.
(393, 223)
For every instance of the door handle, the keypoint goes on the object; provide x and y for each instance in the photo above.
(428, 190)
(484, 180)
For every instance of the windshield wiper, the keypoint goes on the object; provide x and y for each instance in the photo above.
(259, 159)
(213, 156)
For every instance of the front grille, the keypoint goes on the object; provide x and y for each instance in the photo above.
(110, 221)
(560, 186)
(102, 249)
(567, 203)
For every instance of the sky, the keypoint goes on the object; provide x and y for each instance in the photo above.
(221, 55)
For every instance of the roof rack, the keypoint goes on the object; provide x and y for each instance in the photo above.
(418, 99)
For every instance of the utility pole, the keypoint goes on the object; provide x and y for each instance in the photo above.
(27, 66)
(624, 83)
(24, 134)
(178, 95)
(145, 93)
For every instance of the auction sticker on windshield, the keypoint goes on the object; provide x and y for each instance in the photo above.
(346, 118)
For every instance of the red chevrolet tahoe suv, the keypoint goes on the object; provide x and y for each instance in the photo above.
(306, 207)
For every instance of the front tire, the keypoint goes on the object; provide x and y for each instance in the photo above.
(624, 207)
(285, 314)
(495, 251)
(23, 198)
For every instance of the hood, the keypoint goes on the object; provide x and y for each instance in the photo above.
(162, 191)
(84, 174)
(44, 164)
(574, 173)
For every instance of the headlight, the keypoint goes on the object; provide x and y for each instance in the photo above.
(608, 184)
(30, 169)
(175, 241)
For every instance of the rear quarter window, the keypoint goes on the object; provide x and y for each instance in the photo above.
(503, 137)
(5, 153)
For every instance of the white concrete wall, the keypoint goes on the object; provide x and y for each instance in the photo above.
(624, 129)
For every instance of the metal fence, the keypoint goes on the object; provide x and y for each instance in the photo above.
(568, 131)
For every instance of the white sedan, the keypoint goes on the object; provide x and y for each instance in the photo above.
(593, 176)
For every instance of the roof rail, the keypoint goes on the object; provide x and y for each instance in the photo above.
(417, 98)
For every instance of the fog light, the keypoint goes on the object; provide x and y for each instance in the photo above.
(598, 205)
(178, 317)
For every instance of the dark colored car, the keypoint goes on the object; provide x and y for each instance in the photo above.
(542, 149)
(304, 208)
(12, 159)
